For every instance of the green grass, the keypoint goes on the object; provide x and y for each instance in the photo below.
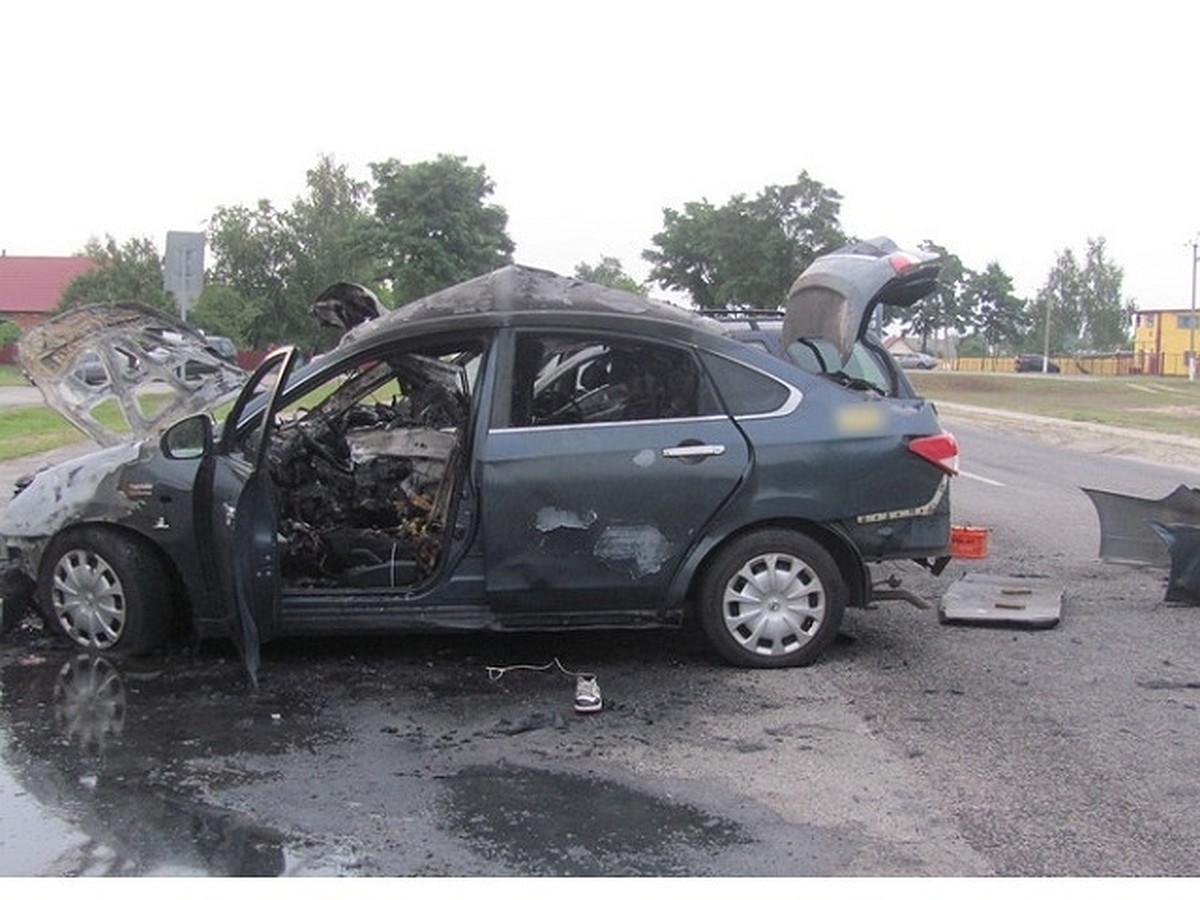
(32, 429)
(11, 376)
(1166, 405)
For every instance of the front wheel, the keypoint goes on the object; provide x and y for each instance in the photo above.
(771, 599)
(105, 591)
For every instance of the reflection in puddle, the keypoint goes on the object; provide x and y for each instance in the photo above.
(551, 823)
(89, 702)
(109, 756)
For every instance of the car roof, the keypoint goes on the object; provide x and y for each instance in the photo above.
(517, 290)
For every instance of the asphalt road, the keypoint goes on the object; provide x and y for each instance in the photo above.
(912, 748)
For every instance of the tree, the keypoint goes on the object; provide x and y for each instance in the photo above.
(1056, 310)
(747, 252)
(1087, 309)
(130, 272)
(610, 273)
(330, 232)
(220, 309)
(998, 315)
(277, 262)
(433, 225)
(943, 310)
(253, 253)
(1107, 313)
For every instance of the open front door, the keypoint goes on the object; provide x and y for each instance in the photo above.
(241, 518)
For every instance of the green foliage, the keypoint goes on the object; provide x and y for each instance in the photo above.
(973, 345)
(1107, 312)
(610, 273)
(330, 229)
(1087, 309)
(747, 252)
(998, 315)
(944, 310)
(253, 250)
(130, 272)
(277, 262)
(9, 332)
(220, 309)
(433, 225)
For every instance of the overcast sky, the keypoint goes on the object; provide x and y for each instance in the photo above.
(1006, 131)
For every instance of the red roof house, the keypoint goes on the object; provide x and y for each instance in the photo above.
(31, 286)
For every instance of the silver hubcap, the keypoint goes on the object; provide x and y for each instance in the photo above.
(88, 599)
(774, 604)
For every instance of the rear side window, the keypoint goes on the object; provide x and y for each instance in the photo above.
(862, 369)
(745, 391)
(574, 379)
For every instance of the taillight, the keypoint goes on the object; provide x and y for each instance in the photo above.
(939, 449)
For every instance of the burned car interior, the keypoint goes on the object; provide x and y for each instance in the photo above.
(566, 379)
(366, 468)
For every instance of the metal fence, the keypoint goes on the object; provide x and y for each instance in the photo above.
(1140, 363)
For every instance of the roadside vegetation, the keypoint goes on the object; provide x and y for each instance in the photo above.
(1164, 405)
(11, 376)
(32, 429)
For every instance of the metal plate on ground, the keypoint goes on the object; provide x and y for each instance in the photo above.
(1126, 535)
(981, 599)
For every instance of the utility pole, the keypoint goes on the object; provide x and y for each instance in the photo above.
(1192, 321)
(1046, 338)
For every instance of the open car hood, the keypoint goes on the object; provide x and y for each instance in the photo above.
(122, 371)
(835, 297)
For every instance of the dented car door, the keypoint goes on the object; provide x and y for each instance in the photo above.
(599, 471)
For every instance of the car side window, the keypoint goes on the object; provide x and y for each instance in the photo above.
(565, 379)
(745, 391)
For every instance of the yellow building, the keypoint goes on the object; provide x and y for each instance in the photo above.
(1162, 340)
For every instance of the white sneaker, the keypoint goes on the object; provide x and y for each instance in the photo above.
(587, 694)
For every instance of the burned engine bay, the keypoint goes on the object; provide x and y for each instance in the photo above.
(366, 476)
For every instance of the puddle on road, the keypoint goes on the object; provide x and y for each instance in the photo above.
(557, 824)
(111, 764)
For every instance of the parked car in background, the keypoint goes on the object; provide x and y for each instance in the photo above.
(522, 451)
(1034, 362)
(915, 360)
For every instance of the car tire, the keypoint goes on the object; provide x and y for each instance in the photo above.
(106, 591)
(771, 599)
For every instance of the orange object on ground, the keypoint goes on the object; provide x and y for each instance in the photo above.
(968, 543)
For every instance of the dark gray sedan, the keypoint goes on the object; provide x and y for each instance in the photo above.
(520, 451)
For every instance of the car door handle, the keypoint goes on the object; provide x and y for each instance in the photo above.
(693, 451)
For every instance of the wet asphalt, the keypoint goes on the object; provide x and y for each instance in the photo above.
(408, 757)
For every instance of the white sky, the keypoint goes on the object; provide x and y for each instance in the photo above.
(1005, 131)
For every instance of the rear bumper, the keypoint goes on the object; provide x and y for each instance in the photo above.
(916, 534)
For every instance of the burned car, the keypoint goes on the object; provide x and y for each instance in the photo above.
(520, 451)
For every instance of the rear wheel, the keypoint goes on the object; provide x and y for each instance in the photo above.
(771, 599)
(106, 591)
